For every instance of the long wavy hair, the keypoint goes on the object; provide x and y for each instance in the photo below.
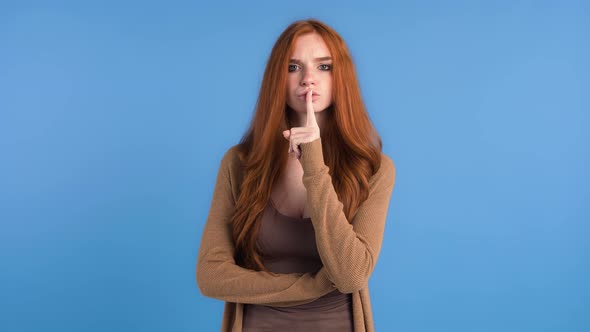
(350, 143)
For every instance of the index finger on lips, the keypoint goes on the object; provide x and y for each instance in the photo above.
(311, 120)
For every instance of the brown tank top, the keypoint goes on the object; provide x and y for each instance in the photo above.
(289, 246)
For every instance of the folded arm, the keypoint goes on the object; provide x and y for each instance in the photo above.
(218, 275)
(349, 251)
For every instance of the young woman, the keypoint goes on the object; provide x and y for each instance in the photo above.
(299, 206)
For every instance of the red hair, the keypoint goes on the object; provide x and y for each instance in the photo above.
(351, 145)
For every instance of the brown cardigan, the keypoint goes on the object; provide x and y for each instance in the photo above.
(349, 252)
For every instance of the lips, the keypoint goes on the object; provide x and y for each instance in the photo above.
(305, 93)
(303, 97)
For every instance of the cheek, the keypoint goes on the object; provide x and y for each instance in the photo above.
(329, 88)
(293, 89)
(328, 84)
(293, 79)
(289, 85)
(330, 99)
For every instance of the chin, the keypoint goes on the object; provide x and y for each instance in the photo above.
(322, 108)
(303, 108)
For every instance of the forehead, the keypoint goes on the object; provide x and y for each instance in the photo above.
(310, 45)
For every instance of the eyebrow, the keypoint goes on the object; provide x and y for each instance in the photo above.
(324, 58)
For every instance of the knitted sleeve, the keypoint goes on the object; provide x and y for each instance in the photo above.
(348, 251)
(218, 275)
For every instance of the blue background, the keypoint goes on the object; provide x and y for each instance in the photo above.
(114, 117)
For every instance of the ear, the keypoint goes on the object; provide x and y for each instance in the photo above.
(287, 134)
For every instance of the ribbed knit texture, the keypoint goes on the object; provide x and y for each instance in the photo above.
(348, 251)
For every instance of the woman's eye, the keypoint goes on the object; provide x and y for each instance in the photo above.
(325, 67)
(292, 67)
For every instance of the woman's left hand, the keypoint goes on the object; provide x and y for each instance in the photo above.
(298, 135)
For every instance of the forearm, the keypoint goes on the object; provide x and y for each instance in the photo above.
(349, 251)
(232, 283)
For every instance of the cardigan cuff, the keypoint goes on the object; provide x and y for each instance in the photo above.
(312, 157)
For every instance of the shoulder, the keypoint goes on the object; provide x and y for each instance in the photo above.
(387, 164)
(386, 172)
(231, 163)
(231, 157)
(230, 173)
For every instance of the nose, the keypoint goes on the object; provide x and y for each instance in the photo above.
(308, 79)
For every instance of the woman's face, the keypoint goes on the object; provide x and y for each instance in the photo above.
(310, 65)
